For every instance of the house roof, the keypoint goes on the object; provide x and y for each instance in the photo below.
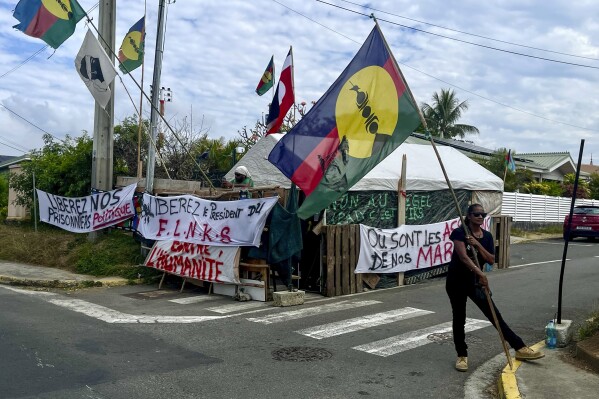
(589, 168)
(550, 160)
(7, 160)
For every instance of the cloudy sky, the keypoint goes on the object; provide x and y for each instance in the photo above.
(216, 51)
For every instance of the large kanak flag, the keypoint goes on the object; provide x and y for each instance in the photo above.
(361, 119)
(131, 53)
(52, 21)
(95, 69)
(284, 97)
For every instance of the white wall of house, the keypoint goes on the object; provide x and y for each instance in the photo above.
(15, 212)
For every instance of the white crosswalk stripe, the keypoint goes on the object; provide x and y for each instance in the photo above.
(414, 339)
(361, 323)
(235, 307)
(316, 310)
(192, 299)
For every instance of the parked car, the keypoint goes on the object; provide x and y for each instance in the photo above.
(585, 222)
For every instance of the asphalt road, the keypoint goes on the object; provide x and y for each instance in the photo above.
(136, 342)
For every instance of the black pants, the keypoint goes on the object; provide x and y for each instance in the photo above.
(458, 295)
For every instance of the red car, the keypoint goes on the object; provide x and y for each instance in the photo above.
(585, 222)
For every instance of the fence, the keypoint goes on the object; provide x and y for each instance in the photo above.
(538, 208)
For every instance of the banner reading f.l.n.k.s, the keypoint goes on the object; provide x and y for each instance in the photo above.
(85, 214)
(195, 220)
(361, 119)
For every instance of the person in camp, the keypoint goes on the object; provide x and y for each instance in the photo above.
(466, 280)
(242, 179)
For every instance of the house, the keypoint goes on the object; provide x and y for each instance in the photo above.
(545, 166)
(12, 164)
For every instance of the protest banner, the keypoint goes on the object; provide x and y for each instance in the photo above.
(406, 247)
(195, 220)
(86, 214)
(197, 261)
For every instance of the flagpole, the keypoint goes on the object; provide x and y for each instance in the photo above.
(455, 200)
(292, 81)
(141, 98)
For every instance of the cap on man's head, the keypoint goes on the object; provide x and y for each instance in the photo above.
(242, 170)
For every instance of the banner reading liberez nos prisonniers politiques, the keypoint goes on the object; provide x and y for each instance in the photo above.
(86, 214)
(195, 220)
(197, 261)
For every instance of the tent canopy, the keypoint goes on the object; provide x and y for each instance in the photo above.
(422, 169)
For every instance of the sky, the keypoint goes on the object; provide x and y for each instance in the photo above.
(216, 51)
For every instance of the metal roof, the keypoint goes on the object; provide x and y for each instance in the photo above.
(7, 160)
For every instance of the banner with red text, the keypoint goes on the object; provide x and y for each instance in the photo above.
(197, 261)
(191, 219)
(85, 214)
(406, 247)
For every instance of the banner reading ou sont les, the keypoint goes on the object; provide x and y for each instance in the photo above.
(190, 219)
(201, 262)
(406, 247)
(85, 214)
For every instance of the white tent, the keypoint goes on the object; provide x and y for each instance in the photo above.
(422, 170)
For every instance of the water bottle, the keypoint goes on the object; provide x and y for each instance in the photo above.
(550, 335)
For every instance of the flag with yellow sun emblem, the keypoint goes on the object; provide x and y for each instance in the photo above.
(361, 119)
(131, 53)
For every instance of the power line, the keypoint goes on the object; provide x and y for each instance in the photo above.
(31, 123)
(460, 40)
(17, 144)
(14, 148)
(467, 33)
(451, 84)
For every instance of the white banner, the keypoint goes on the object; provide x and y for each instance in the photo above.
(191, 219)
(200, 262)
(406, 247)
(85, 214)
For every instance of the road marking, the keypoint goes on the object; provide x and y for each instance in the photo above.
(361, 323)
(536, 263)
(236, 306)
(413, 339)
(109, 315)
(192, 299)
(562, 244)
(298, 314)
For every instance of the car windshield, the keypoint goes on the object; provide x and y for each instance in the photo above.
(587, 210)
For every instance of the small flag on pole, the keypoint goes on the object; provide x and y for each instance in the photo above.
(131, 53)
(95, 69)
(266, 82)
(509, 161)
(284, 97)
(52, 21)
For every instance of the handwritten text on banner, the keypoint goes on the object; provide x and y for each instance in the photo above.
(201, 262)
(406, 247)
(85, 214)
(191, 219)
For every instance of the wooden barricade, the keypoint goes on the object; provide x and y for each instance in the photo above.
(343, 249)
(501, 228)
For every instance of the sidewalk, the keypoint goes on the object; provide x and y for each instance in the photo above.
(555, 375)
(40, 276)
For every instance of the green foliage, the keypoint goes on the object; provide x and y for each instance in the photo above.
(594, 185)
(443, 114)
(582, 191)
(590, 327)
(3, 195)
(513, 180)
(551, 188)
(126, 137)
(61, 168)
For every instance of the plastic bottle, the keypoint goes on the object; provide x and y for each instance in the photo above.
(550, 335)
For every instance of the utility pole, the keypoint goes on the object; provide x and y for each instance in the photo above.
(155, 96)
(102, 155)
(104, 119)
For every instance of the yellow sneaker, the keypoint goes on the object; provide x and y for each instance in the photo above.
(461, 364)
(527, 353)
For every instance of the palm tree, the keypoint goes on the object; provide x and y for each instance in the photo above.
(442, 115)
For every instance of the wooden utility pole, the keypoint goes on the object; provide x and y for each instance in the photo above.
(102, 155)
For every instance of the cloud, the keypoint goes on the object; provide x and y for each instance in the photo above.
(215, 53)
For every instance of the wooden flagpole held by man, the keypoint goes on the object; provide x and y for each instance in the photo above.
(455, 201)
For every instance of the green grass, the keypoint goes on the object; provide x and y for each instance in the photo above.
(542, 230)
(590, 326)
(114, 253)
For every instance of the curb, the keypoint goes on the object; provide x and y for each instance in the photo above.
(586, 351)
(104, 282)
(507, 382)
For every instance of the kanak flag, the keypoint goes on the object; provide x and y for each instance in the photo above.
(361, 119)
(284, 97)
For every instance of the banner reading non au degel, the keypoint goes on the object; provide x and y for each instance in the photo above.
(191, 219)
(85, 214)
(197, 261)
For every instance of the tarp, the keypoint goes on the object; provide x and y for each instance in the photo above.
(423, 171)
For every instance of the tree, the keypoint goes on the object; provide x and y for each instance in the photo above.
(126, 136)
(442, 116)
(3, 195)
(61, 168)
(594, 185)
(582, 191)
